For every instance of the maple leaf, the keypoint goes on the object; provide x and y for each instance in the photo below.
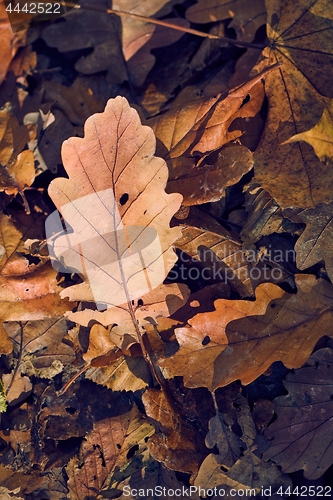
(115, 202)
(321, 135)
(220, 347)
(301, 38)
(301, 434)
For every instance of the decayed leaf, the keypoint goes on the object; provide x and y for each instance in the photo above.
(110, 367)
(302, 433)
(43, 339)
(221, 435)
(316, 241)
(116, 204)
(105, 450)
(176, 444)
(27, 292)
(201, 127)
(302, 40)
(246, 16)
(216, 350)
(321, 135)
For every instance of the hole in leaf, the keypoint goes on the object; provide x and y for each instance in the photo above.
(71, 410)
(247, 98)
(206, 340)
(123, 199)
(131, 451)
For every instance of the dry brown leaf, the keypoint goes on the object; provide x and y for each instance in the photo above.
(79, 32)
(193, 130)
(209, 182)
(316, 241)
(246, 16)
(220, 347)
(10, 42)
(116, 204)
(27, 292)
(176, 444)
(264, 216)
(39, 344)
(302, 433)
(104, 451)
(218, 250)
(139, 37)
(302, 40)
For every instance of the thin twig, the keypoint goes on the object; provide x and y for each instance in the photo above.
(165, 24)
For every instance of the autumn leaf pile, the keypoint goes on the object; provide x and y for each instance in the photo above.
(166, 250)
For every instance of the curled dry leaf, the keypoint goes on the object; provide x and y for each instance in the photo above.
(105, 451)
(301, 38)
(27, 292)
(220, 347)
(114, 200)
(199, 128)
(301, 436)
(316, 241)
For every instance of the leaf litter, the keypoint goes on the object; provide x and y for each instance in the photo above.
(154, 316)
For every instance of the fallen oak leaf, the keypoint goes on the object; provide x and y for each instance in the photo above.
(241, 339)
(188, 132)
(315, 243)
(121, 242)
(301, 436)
